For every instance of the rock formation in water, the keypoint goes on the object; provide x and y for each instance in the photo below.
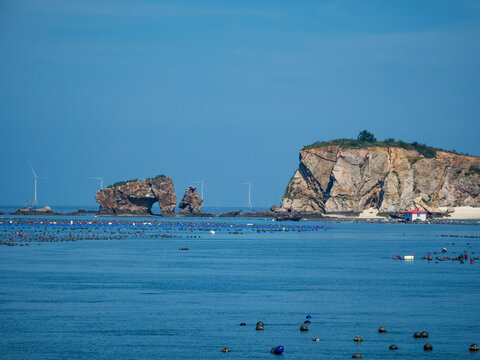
(137, 197)
(191, 202)
(334, 179)
(30, 211)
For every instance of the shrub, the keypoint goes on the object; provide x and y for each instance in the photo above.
(413, 159)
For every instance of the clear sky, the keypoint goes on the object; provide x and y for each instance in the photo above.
(225, 91)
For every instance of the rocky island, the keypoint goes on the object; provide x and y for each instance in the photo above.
(348, 176)
(136, 197)
(191, 204)
(47, 210)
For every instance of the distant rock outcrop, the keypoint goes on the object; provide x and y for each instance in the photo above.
(334, 179)
(191, 202)
(29, 211)
(137, 197)
(234, 213)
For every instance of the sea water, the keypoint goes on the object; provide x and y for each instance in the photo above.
(140, 298)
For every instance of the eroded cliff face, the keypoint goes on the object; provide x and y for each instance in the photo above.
(191, 202)
(138, 197)
(331, 179)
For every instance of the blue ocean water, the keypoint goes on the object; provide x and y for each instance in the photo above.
(142, 298)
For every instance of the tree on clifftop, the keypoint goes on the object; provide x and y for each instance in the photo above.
(366, 136)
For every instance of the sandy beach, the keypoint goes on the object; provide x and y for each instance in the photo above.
(464, 213)
(460, 213)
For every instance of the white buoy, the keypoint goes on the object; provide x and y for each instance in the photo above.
(409, 257)
(212, 232)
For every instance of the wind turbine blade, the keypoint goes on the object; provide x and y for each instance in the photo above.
(33, 171)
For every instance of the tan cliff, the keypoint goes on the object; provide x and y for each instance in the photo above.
(332, 179)
(137, 197)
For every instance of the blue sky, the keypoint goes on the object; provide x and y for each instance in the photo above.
(223, 91)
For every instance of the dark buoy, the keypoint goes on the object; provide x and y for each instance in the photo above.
(304, 328)
(382, 329)
(307, 322)
(260, 326)
(393, 347)
(424, 334)
(225, 350)
(308, 317)
(473, 347)
(277, 350)
(315, 339)
(428, 347)
(356, 356)
(243, 324)
(417, 335)
(357, 339)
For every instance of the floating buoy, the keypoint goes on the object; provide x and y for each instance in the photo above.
(307, 322)
(417, 335)
(225, 350)
(356, 356)
(424, 334)
(393, 347)
(304, 328)
(473, 347)
(243, 324)
(260, 326)
(308, 317)
(428, 347)
(382, 329)
(315, 339)
(212, 232)
(277, 350)
(357, 339)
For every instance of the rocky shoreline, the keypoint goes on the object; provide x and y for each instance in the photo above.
(305, 216)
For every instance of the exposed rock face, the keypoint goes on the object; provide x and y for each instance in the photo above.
(332, 179)
(191, 203)
(137, 197)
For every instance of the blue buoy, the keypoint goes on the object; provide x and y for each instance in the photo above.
(277, 350)
(308, 316)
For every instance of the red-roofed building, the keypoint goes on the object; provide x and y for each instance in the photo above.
(413, 215)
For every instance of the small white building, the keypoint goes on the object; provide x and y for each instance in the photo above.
(413, 215)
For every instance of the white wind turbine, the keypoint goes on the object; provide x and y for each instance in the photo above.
(36, 177)
(249, 193)
(101, 181)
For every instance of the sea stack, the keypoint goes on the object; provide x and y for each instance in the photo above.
(191, 202)
(136, 197)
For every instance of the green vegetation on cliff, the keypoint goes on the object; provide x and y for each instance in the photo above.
(120, 183)
(366, 139)
(161, 176)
